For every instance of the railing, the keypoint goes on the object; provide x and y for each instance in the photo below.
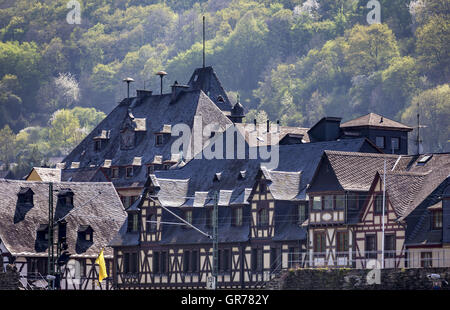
(275, 270)
(34, 280)
(370, 259)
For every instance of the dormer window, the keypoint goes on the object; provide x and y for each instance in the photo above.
(129, 172)
(301, 213)
(151, 223)
(263, 217)
(65, 197)
(133, 222)
(86, 233)
(262, 187)
(237, 216)
(42, 232)
(97, 145)
(378, 204)
(436, 219)
(150, 169)
(127, 139)
(114, 173)
(188, 216)
(25, 196)
(159, 139)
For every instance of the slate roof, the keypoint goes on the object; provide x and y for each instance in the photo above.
(154, 113)
(273, 137)
(356, 171)
(4, 174)
(95, 204)
(205, 79)
(193, 186)
(375, 121)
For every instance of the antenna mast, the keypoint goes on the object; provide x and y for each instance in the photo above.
(203, 41)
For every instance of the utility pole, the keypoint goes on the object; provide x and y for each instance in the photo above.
(215, 270)
(382, 218)
(51, 252)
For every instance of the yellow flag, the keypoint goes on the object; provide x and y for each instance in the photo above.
(102, 267)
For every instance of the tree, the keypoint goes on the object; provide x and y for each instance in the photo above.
(434, 108)
(433, 45)
(65, 132)
(370, 48)
(7, 145)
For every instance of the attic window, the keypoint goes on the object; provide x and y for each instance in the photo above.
(159, 139)
(220, 99)
(217, 177)
(436, 219)
(242, 174)
(86, 233)
(150, 169)
(42, 232)
(65, 197)
(196, 78)
(424, 159)
(97, 145)
(114, 173)
(129, 172)
(25, 196)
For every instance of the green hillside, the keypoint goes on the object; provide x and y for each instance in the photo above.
(289, 60)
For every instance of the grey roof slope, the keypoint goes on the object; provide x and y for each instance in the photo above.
(205, 79)
(193, 186)
(4, 174)
(418, 228)
(157, 110)
(356, 171)
(376, 121)
(95, 204)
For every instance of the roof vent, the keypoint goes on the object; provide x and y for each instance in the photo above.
(161, 75)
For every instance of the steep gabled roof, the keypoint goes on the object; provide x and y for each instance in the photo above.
(356, 171)
(149, 114)
(48, 174)
(95, 204)
(375, 121)
(205, 79)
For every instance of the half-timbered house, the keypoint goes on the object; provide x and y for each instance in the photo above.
(262, 213)
(86, 216)
(346, 224)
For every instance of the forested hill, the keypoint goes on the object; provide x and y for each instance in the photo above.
(292, 60)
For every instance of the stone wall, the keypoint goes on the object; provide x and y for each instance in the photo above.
(356, 279)
(10, 280)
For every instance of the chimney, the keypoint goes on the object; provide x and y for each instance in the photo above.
(278, 125)
(268, 126)
(142, 94)
(176, 89)
(254, 122)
